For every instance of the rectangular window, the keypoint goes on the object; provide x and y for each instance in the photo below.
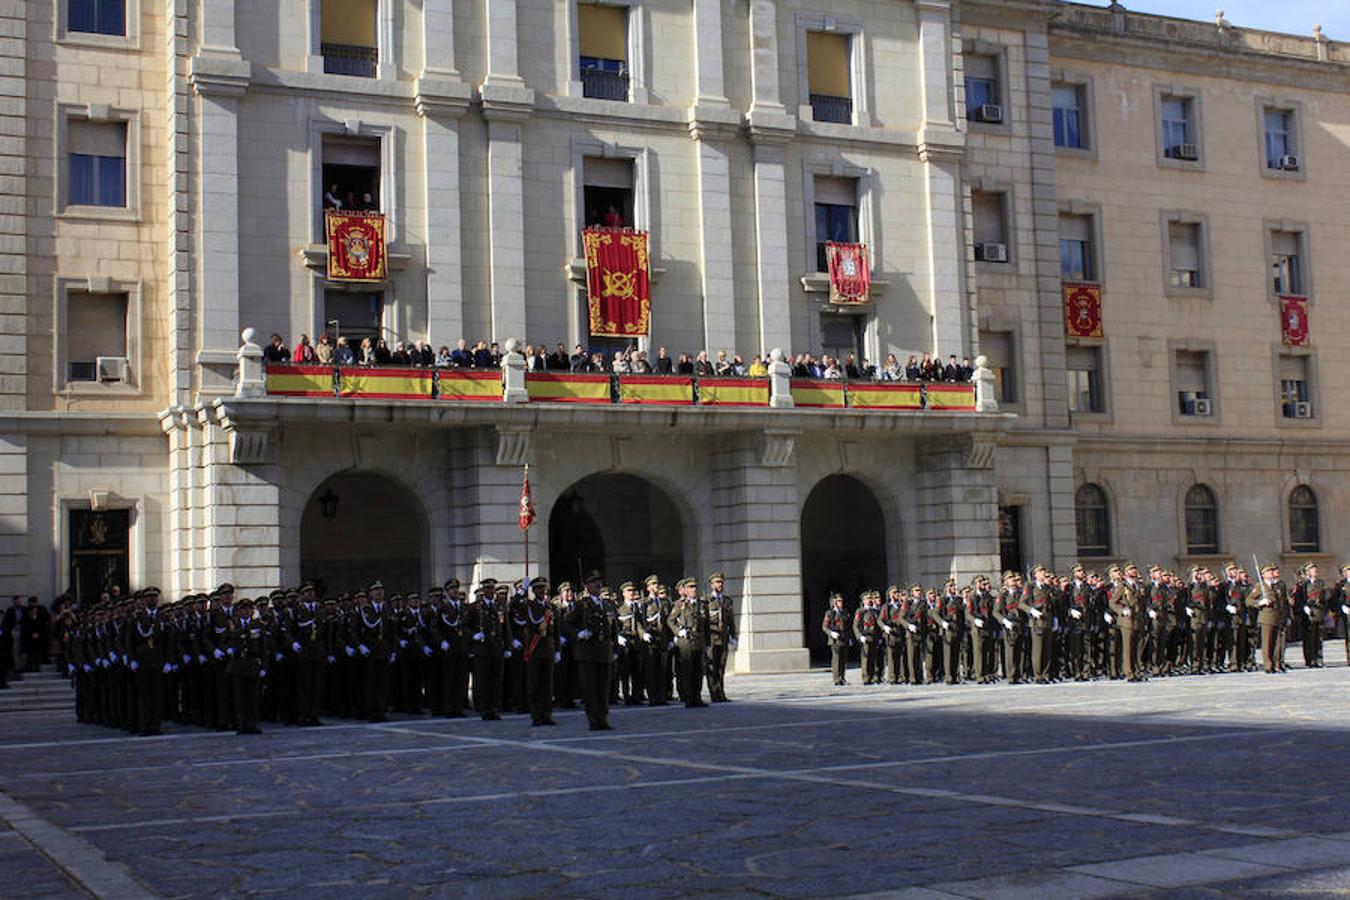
(1295, 398)
(836, 211)
(1286, 264)
(351, 173)
(1178, 128)
(607, 192)
(97, 16)
(1183, 239)
(95, 326)
(1192, 379)
(1083, 367)
(827, 66)
(1075, 249)
(989, 210)
(1069, 116)
(984, 98)
(602, 36)
(354, 315)
(348, 37)
(97, 163)
(841, 336)
(1279, 126)
(997, 347)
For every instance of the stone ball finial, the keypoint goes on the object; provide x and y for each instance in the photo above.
(981, 362)
(248, 334)
(1317, 31)
(776, 354)
(512, 345)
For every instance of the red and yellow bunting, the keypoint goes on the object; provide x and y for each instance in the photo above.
(549, 388)
(386, 384)
(886, 395)
(818, 394)
(356, 250)
(733, 392)
(300, 381)
(951, 396)
(656, 390)
(454, 384)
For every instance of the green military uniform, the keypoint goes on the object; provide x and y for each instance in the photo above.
(593, 628)
(1127, 605)
(835, 627)
(721, 636)
(689, 623)
(1271, 598)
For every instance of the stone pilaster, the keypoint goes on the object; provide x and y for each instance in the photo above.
(15, 558)
(709, 71)
(957, 502)
(506, 228)
(946, 243)
(485, 539)
(178, 220)
(935, 55)
(13, 214)
(438, 39)
(1063, 515)
(718, 275)
(441, 103)
(178, 431)
(242, 514)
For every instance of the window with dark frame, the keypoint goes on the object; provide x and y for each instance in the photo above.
(1279, 137)
(836, 211)
(1069, 117)
(1305, 533)
(97, 17)
(1075, 249)
(1093, 521)
(97, 163)
(1202, 521)
(1286, 263)
(1178, 128)
(828, 79)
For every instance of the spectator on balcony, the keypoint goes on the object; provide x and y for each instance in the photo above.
(275, 351)
(558, 360)
(830, 369)
(642, 365)
(342, 353)
(580, 360)
(685, 365)
(365, 353)
(866, 370)
(738, 367)
(891, 371)
(428, 355)
(304, 352)
(912, 370)
(851, 370)
(400, 356)
(599, 363)
(757, 368)
(349, 201)
(482, 357)
(664, 364)
(331, 199)
(613, 218)
(926, 368)
(367, 202)
(443, 358)
(620, 364)
(702, 367)
(323, 351)
(967, 370)
(953, 371)
(722, 367)
(495, 354)
(462, 357)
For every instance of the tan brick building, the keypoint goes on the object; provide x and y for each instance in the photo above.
(165, 164)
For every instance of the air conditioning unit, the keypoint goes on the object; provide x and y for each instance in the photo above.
(1290, 163)
(991, 252)
(111, 368)
(991, 113)
(1185, 151)
(1202, 407)
(1303, 410)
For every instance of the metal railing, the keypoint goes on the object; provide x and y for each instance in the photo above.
(350, 59)
(600, 84)
(825, 108)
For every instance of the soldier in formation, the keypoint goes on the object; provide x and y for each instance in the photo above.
(292, 657)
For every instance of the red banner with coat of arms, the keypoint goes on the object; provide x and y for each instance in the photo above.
(1294, 321)
(618, 282)
(356, 250)
(850, 273)
(1083, 310)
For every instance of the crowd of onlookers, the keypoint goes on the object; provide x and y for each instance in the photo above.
(31, 634)
(628, 361)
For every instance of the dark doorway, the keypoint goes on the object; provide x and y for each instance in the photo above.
(1010, 538)
(843, 549)
(100, 552)
(360, 526)
(621, 525)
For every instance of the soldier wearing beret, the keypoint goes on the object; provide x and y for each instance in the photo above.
(721, 636)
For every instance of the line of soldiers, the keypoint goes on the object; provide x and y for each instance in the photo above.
(220, 661)
(1084, 626)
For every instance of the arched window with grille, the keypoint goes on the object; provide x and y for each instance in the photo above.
(1202, 520)
(1305, 533)
(1094, 523)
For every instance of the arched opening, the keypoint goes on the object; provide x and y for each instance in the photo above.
(843, 549)
(360, 526)
(621, 525)
(1093, 521)
(1202, 520)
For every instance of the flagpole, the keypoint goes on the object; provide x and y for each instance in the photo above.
(525, 536)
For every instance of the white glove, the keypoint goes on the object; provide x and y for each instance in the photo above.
(135, 666)
(913, 628)
(1153, 614)
(112, 655)
(262, 673)
(1190, 612)
(506, 654)
(392, 658)
(945, 626)
(683, 632)
(647, 638)
(168, 667)
(478, 635)
(1125, 613)
(1307, 610)
(886, 628)
(350, 651)
(1232, 610)
(557, 656)
(623, 641)
(331, 659)
(834, 635)
(1007, 623)
(1346, 610)
(403, 643)
(426, 651)
(583, 634)
(1075, 613)
(1264, 602)
(280, 657)
(1036, 613)
(733, 643)
(229, 651)
(979, 623)
(187, 659)
(516, 644)
(88, 668)
(201, 659)
(295, 645)
(365, 651)
(445, 645)
(1109, 619)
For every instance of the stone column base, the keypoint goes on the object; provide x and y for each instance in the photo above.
(765, 662)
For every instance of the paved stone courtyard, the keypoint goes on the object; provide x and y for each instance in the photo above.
(1205, 787)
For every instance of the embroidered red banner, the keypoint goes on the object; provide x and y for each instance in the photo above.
(1083, 310)
(850, 273)
(1294, 321)
(356, 250)
(618, 282)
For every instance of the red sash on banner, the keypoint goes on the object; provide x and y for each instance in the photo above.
(1083, 310)
(850, 274)
(1294, 321)
(618, 282)
(356, 250)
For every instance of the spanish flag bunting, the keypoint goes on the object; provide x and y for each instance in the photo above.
(386, 384)
(951, 396)
(733, 392)
(885, 396)
(455, 384)
(808, 393)
(559, 388)
(656, 390)
(300, 381)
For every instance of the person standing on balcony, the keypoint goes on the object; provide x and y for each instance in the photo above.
(304, 352)
(685, 365)
(702, 367)
(558, 360)
(323, 351)
(613, 218)
(275, 351)
(664, 364)
(330, 198)
(342, 353)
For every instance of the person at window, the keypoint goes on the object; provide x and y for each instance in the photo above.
(891, 371)
(323, 350)
(866, 370)
(722, 368)
(330, 198)
(400, 356)
(685, 366)
(349, 201)
(367, 202)
(613, 218)
(443, 358)
(967, 370)
(366, 352)
(757, 368)
(275, 351)
(342, 353)
(830, 369)
(851, 370)
(952, 371)
(462, 357)
(558, 360)
(304, 352)
(738, 367)
(912, 370)
(702, 367)
(620, 364)
(664, 364)
(641, 365)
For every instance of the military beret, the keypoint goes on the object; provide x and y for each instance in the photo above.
(452, 584)
(656, 579)
(628, 586)
(716, 576)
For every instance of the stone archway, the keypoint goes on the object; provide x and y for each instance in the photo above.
(360, 526)
(622, 525)
(843, 549)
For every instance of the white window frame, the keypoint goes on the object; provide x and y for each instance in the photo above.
(64, 286)
(1193, 97)
(1295, 110)
(354, 128)
(1211, 351)
(858, 74)
(129, 41)
(387, 66)
(1187, 217)
(638, 91)
(97, 113)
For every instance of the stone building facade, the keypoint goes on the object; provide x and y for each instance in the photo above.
(489, 132)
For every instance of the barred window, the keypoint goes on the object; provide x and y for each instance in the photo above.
(1202, 520)
(1094, 526)
(1304, 532)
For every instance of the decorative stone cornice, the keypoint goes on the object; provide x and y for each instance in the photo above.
(713, 123)
(505, 101)
(770, 127)
(219, 74)
(442, 97)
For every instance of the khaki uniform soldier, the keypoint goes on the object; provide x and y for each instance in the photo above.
(1127, 605)
(1038, 604)
(893, 626)
(947, 617)
(1235, 604)
(916, 628)
(593, 626)
(722, 636)
(1343, 599)
(1271, 597)
(1197, 612)
(867, 632)
(631, 661)
(1079, 622)
(539, 636)
(1311, 598)
(1008, 611)
(656, 638)
(689, 623)
(835, 626)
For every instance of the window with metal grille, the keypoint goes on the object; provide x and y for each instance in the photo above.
(1305, 535)
(1202, 520)
(1094, 526)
